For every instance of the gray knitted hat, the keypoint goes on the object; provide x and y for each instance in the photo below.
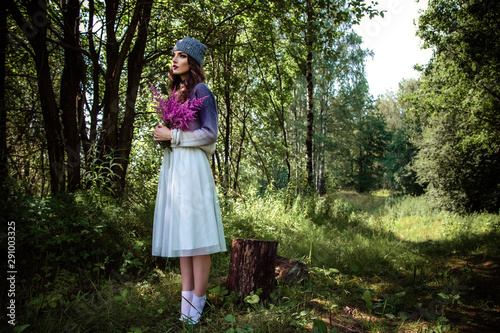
(193, 47)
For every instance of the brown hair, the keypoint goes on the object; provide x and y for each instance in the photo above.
(193, 77)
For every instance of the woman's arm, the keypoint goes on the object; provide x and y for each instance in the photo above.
(206, 134)
(162, 133)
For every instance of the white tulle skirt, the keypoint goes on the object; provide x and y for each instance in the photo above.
(187, 218)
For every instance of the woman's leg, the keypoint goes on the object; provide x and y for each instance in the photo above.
(201, 272)
(186, 264)
(187, 276)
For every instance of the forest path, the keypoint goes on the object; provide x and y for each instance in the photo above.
(481, 309)
(477, 311)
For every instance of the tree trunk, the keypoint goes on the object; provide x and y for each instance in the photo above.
(135, 65)
(53, 132)
(4, 169)
(281, 115)
(310, 95)
(240, 151)
(278, 110)
(114, 67)
(70, 94)
(296, 144)
(114, 145)
(89, 140)
(228, 118)
(262, 162)
(320, 182)
(252, 266)
(35, 31)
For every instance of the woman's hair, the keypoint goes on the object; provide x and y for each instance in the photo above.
(193, 77)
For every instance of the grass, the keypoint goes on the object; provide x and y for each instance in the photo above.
(376, 264)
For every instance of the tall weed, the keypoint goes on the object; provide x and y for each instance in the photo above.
(332, 235)
(95, 273)
(415, 219)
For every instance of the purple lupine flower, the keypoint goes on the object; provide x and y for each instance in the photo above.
(174, 114)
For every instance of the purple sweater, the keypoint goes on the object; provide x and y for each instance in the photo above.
(204, 126)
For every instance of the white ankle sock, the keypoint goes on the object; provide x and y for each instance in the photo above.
(197, 308)
(187, 299)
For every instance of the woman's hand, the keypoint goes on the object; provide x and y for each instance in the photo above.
(162, 133)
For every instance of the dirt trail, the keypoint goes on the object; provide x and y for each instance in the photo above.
(481, 310)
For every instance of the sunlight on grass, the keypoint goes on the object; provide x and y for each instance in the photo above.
(412, 219)
(376, 263)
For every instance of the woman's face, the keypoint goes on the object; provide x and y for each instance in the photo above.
(180, 64)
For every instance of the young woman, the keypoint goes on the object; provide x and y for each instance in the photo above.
(187, 219)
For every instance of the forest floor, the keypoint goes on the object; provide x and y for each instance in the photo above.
(484, 277)
(372, 267)
(475, 317)
(476, 312)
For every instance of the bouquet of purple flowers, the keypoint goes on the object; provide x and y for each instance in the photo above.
(176, 115)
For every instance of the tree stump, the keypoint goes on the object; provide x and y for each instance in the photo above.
(291, 271)
(252, 267)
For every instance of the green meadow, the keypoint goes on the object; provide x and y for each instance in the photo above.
(376, 263)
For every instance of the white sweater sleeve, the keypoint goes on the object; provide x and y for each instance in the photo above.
(204, 134)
